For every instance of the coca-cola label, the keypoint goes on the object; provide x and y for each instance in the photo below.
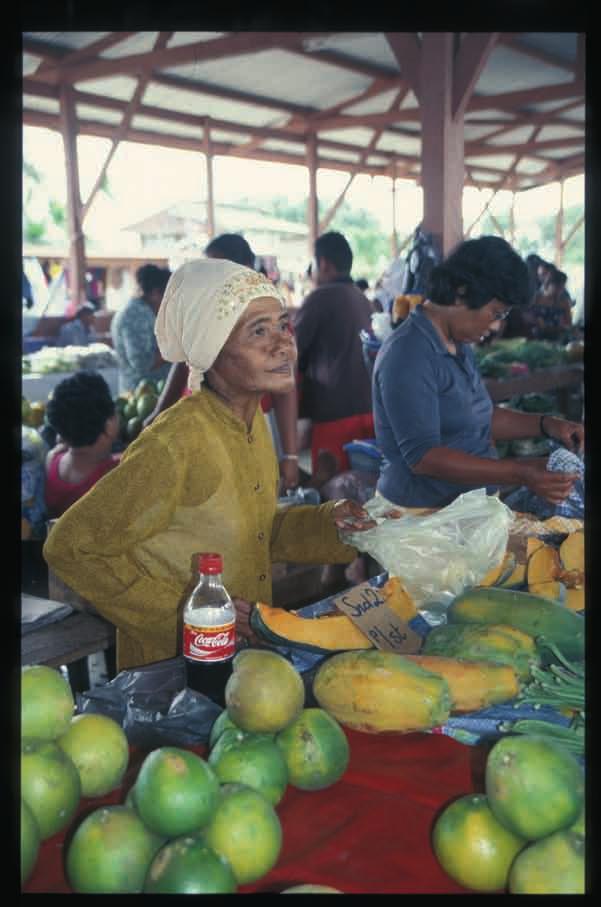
(209, 644)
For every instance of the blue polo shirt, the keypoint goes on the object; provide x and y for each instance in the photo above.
(424, 397)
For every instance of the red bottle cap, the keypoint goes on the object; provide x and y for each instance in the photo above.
(210, 563)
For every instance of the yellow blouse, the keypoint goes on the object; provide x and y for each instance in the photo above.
(195, 480)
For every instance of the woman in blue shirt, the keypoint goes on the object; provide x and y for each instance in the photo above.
(434, 420)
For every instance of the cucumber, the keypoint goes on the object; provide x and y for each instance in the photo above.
(532, 614)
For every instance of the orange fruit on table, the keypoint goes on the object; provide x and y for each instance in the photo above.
(187, 866)
(534, 785)
(50, 786)
(551, 865)
(252, 759)
(176, 791)
(472, 846)
(110, 852)
(30, 841)
(315, 748)
(46, 703)
(246, 831)
(264, 693)
(99, 750)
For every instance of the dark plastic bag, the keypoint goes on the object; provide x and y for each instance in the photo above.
(153, 705)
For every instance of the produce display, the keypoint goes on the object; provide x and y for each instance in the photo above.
(499, 358)
(51, 359)
(525, 833)
(210, 824)
(134, 406)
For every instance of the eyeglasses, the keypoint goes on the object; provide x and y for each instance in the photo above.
(503, 315)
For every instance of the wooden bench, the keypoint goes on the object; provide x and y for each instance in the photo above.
(69, 641)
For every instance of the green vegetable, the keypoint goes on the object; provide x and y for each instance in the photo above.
(561, 686)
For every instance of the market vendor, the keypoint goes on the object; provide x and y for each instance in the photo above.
(434, 419)
(202, 477)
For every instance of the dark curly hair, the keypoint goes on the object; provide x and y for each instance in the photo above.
(79, 408)
(479, 270)
(232, 247)
(334, 248)
(151, 277)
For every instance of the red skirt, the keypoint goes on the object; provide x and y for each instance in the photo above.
(331, 436)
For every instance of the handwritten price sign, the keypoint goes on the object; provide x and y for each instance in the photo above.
(367, 608)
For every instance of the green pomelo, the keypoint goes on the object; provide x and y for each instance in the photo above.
(98, 747)
(311, 889)
(176, 791)
(472, 845)
(246, 831)
(222, 723)
(110, 852)
(256, 761)
(50, 786)
(30, 841)
(315, 748)
(264, 693)
(534, 786)
(187, 866)
(46, 703)
(552, 865)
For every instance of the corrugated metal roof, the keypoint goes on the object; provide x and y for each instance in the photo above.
(268, 91)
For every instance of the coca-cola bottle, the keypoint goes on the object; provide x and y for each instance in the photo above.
(209, 635)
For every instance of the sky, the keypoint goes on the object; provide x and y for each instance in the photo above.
(145, 179)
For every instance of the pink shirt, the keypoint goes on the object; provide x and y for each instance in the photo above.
(60, 494)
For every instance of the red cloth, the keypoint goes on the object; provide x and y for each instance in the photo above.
(331, 436)
(369, 833)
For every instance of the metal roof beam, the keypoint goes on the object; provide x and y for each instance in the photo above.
(232, 44)
(511, 100)
(510, 39)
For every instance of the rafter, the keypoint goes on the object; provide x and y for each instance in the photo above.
(407, 51)
(471, 58)
(510, 100)
(85, 53)
(232, 44)
(510, 39)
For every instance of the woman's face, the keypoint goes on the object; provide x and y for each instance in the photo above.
(260, 353)
(471, 325)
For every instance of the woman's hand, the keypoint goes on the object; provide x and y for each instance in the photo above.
(571, 434)
(351, 517)
(553, 486)
(288, 474)
(243, 628)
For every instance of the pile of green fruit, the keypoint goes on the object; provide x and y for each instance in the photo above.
(526, 833)
(64, 757)
(133, 407)
(188, 825)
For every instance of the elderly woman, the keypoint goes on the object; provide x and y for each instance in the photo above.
(434, 419)
(202, 477)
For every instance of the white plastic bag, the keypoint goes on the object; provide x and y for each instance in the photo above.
(438, 555)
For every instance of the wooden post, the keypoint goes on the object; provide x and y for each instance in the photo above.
(559, 228)
(512, 219)
(312, 208)
(209, 166)
(77, 262)
(395, 235)
(442, 165)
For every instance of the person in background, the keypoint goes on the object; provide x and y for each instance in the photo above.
(202, 477)
(435, 423)
(79, 330)
(82, 412)
(335, 384)
(551, 311)
(132, 330)
(233, 247)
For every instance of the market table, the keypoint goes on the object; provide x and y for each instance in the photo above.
(367, 834)
(563, 378)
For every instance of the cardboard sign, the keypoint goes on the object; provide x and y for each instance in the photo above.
(366, 606)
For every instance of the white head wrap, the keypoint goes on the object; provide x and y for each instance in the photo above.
(201, 305)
